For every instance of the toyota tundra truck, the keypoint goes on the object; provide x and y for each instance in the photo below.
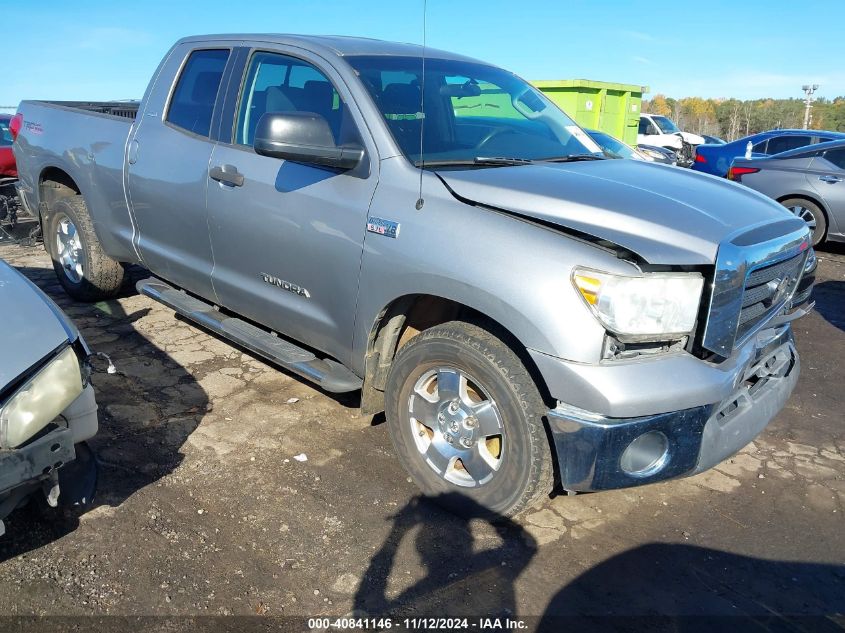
(431, 230)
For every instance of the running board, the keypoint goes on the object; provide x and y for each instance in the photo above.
(328, 373)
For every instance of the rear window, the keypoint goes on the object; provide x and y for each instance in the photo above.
(193, 100)
(836, 156)
(5, 135)
(760, 147)
(780, 144)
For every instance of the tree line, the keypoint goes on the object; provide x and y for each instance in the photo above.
(732, 118)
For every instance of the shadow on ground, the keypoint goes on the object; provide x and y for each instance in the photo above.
(654, 587)
(673, 587)
(829, 297)
(146, 411)
(460, 579)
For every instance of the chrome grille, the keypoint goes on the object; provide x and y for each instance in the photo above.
(756, 273)
(766, 288)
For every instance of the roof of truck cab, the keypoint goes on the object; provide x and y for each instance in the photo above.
(341, 45)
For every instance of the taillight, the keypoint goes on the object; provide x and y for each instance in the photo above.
(700, 159)
(15, 125)
(736, 173)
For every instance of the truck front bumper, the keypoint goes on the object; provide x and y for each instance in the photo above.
(597, 452)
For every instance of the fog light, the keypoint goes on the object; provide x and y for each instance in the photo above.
(645, 455)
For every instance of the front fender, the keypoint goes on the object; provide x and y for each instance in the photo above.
(516, 272)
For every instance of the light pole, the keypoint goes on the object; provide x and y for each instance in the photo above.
(808, 102)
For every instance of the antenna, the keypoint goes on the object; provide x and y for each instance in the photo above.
(420, 201)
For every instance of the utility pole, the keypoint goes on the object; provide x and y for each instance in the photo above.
(808, 102)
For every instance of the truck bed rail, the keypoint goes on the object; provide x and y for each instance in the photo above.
(124, 109)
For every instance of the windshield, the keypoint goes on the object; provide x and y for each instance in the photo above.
(611, 145)
(667, 126)
(472, 111)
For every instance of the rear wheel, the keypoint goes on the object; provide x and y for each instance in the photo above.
(465, 417)
(84, 270)
(812, 214)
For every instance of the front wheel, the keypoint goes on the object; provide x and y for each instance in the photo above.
(465, 418)
(812, 214)
(84, 270)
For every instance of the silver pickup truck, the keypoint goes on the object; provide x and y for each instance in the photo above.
(431, 230)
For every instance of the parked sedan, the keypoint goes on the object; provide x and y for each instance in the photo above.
(616, 148)
(47, 405)
(809, 181)
(7, 158)
(659, 154)
(716, 159)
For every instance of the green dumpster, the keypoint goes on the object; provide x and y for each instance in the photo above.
(600, 105)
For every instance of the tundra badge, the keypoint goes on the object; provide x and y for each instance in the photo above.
(285, 285)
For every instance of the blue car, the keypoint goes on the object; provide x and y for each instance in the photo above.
(717, 159)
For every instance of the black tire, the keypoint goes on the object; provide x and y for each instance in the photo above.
(101, 276)
(815, 211)
(525, 471)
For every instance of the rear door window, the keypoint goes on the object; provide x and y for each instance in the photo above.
(192, 103)
(778, 144)
(278, 83)
(836, 156)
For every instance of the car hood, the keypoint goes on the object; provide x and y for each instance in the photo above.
(31, 325)
(664, 214)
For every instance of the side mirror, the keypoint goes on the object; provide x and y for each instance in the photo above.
(302, 137)
(652, 129)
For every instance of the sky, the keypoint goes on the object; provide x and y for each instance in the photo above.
(100, 50)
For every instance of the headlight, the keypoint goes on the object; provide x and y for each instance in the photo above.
(653, 307)
(41, 399)
(653, 154)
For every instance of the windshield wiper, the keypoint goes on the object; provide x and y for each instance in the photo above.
(478, 160)
(501, 160)
(572, 158)
(504, 161)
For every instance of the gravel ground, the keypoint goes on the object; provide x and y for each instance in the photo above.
(203, 508)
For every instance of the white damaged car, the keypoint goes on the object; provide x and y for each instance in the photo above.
(47, 404)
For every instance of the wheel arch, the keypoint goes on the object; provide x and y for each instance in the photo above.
(405, 317)
(816, 200)
(55, 183)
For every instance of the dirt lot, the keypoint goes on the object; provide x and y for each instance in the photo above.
(203, 508)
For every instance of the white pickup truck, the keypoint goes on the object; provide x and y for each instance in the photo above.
(656, 129)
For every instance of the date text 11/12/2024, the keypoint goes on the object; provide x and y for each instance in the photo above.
(416, 624)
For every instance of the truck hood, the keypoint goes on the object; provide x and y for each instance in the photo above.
(666, 215)
(31, 325)
(692, 139)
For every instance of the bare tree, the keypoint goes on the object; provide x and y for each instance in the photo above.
(733, 120)
(746, 113)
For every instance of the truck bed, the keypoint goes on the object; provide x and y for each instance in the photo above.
(123, 109)
(86, 141)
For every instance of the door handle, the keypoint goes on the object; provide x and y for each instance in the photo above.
(227, 174)
(830, 179)
(133, 151)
